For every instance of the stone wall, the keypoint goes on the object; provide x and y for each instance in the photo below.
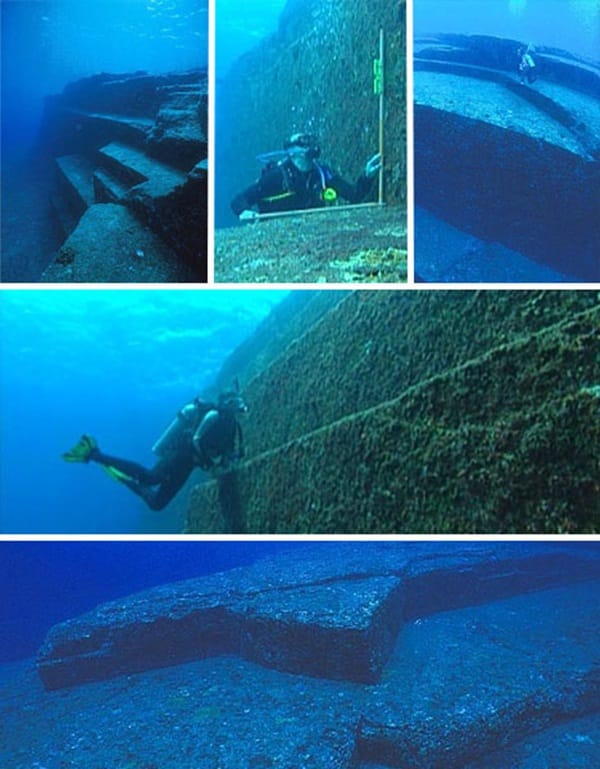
(423, 412)
(315, 74)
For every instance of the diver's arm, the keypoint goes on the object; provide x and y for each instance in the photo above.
(358, 192)
(244, 201)
(353, 193)
(270, 183)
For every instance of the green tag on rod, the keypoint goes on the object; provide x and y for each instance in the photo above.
(377, 77)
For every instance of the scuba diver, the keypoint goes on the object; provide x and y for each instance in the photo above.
(526, 65)
(295, 179)
(203, 434)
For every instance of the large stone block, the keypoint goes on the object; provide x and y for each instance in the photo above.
(375, 345)
(329, 612)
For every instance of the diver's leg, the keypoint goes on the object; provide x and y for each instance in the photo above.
(138, 473)
(159, 498)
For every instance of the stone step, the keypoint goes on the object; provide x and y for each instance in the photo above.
(493, 128)
(133, 167)
(110, 245)
(462, 685)
(505, 442)
(583, 140)
(132, 130)
(333, 615)
(196, 88)
(107, 188)
(76, 178)
(501, 55)
(64, 213)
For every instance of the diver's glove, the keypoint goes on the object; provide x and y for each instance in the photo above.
(373, 166)
(248, 216)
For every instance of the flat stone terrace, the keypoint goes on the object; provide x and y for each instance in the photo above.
(329, 617)
(472, 97)
(353, 245)
(509, 163)
(137, 142)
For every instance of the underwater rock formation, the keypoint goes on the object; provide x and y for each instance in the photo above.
(332, 613)
(423, 412)
(507, 162)
(316, 74)
(139, 142)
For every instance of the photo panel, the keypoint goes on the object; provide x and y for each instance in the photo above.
(300, 412)
(507, 141)
(335, 654)
(104, 141)
(310, 142)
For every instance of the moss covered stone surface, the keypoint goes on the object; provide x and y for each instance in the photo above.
(424, 412)
(357, 245)
(110, 245)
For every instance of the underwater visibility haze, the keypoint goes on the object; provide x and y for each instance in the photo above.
(46, 46)
(239, 26)
(572, 25)
(118, 365)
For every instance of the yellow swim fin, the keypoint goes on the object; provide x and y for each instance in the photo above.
(82, 450)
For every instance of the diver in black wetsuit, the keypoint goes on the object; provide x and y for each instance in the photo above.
(202, 435)
(298, 180)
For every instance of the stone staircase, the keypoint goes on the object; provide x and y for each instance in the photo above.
(137, 142)
(423, 412)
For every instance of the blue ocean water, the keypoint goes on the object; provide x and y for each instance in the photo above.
(239, 26)
(572, 25)
(53, 581)
(117, 365)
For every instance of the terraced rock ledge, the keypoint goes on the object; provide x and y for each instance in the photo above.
(440, 653)
(131, 181)
(509, 163)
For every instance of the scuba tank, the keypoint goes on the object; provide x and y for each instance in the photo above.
(186, 421)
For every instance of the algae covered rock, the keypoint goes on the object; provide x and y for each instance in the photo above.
(423, 412)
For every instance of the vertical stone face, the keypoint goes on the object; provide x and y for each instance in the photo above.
(424, 412)
(316, 74)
